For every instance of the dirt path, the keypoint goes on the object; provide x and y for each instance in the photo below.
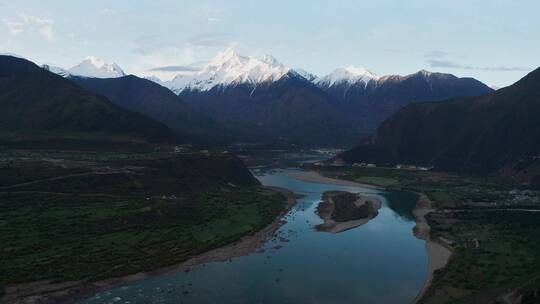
(47, 180)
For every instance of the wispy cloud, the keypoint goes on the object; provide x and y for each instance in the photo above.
(166, 57)
(150, 44)
(454, 65)
(28, 23)
(196, 66)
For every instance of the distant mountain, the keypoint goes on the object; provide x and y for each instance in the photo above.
(262, 97)
(34, 100)
(90, 67)
(290, 110)
(230, 68)
(475, 134)
(262, 100)
(56, 70)
(157, 102)
(371, 99)
(347, 77)
(307, 75)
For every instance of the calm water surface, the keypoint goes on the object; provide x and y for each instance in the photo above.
(380, 262)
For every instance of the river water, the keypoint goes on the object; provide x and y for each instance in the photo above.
(379, 262)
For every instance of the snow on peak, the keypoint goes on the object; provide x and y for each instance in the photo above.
(348, 75)
(307, 75)
(53, 69)
(425, 73)
(229, 56)
(270, 60)
(93, 67)
(227, 68)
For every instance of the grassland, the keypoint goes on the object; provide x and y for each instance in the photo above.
(490, 224)
(494, 251)
(376, 180)
(67, 216)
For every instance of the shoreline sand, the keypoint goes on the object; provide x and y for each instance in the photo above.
(45, 292)
(315, 177)
(438, 255)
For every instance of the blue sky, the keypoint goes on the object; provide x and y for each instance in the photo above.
(495, 41)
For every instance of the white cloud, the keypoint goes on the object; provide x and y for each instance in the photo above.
(28, 24)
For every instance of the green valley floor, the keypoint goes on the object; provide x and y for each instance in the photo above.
(68, 216)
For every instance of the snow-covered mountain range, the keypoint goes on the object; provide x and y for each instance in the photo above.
(228, 68)
(350, 75)
(253, 97)
(231, 68)
(90, 67)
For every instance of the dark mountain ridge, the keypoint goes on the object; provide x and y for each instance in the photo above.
(291, 109)
(295, 110)
(376, 100)
(34, 100)
(474, 134)
(159, 103)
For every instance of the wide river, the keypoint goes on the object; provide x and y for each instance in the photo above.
(380, 262)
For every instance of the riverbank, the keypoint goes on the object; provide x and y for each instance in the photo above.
(45, 291)
(315, 177)
(327, 207)
(438, 255)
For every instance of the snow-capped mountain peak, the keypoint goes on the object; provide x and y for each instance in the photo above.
(93, 67)
(348, 75)
(227, 57)
(57, 70)
(307, 75)
(271, 60)
(228, 68)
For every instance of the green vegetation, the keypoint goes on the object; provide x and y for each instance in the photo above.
(345, 208)
(72, 237)
(68, 215)
(376, 180)
(445, 189)
(494, 251)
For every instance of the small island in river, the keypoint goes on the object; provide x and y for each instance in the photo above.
(342, 211)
